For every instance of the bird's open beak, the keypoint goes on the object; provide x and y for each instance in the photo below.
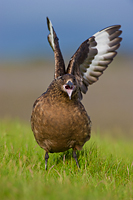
(69, 88)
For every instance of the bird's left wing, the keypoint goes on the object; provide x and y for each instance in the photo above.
(94, 55)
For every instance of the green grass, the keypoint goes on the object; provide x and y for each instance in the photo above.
(106, 168)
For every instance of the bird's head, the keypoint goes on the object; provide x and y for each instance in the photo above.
(69, 86)
(66, 86)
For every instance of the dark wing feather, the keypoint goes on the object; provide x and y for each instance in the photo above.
(94, 55)
(53, 41)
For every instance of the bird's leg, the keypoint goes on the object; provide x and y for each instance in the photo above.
(46, 160)
(75, 157)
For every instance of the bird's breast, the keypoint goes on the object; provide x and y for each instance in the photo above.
(58, 127)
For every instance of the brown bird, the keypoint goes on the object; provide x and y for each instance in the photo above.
(59, 121)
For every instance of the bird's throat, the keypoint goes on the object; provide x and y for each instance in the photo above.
(69, 92)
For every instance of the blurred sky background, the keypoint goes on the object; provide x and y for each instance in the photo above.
(23, 32)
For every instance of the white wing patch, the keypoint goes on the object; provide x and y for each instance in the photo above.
(107, 42)
(102, 41)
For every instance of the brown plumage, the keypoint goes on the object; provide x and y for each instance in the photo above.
(59, 120)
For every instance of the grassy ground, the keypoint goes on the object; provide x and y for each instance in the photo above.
(106, 168)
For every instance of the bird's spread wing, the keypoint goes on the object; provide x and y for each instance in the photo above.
(94, 55)
(53, 41)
